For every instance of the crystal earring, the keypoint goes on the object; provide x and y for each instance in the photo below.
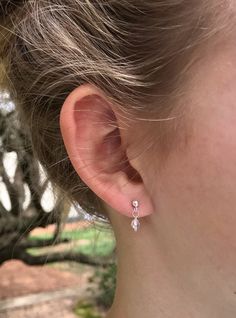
(135, 222)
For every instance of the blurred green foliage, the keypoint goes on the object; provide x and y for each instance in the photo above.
(86, 310)
(90, 241)
(106, 282)
(93, 242)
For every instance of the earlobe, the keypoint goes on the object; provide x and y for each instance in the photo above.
(90, 129)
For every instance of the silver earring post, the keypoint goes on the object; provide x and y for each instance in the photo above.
(135, 224)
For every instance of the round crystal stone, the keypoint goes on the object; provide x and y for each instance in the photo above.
(135, 203)
(135, 224)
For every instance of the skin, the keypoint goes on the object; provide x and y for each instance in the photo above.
(182, 262)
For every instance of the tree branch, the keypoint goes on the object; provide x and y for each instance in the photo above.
(3, 211)
(13, 196)
(42, 243)
(25, 225)
(61, 257)
(21, 254)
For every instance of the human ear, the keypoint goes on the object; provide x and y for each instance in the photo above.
(91, 132)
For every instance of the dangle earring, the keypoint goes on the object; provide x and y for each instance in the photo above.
(135, 224)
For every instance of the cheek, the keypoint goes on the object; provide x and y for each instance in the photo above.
(199, 179)
(196, 190)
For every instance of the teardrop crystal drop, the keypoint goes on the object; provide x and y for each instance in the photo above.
(135, 224)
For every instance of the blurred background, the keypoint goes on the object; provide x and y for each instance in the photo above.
(55, 259)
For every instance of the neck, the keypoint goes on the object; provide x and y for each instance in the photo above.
(162, 277)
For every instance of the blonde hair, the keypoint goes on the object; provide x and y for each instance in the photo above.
(138, 52)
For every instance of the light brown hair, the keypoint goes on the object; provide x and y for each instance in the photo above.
(137, 51)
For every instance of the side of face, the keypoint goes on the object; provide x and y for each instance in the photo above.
(195, 192)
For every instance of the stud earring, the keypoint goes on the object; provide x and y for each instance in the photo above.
(135, 224)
